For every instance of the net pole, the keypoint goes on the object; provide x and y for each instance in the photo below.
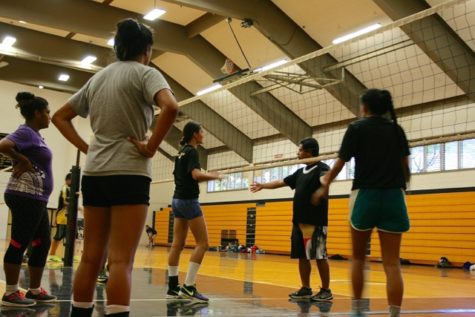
(72, 213)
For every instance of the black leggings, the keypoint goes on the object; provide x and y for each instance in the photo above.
(29, 225)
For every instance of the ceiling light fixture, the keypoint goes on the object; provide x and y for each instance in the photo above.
(8, 41)
(88, 60)
(209, 89)
(63, 77)
(110, 42)
(356, 33)
(40, 87)
(271, 65)
(154, 14)
(22, 22)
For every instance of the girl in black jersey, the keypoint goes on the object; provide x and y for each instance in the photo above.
(381, 152)
(187, 212)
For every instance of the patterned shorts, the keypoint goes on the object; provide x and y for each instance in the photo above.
(313, 248)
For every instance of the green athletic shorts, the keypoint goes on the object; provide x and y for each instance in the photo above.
(384, 209)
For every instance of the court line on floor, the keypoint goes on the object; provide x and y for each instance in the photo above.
(379, 312)
(218, 299)
(375, 312)
(265, 282)
(214, 299)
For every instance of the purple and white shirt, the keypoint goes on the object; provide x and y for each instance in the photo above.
(37, 184)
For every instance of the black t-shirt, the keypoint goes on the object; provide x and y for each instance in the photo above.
(306, 181)
(378, 146)
(185, 186)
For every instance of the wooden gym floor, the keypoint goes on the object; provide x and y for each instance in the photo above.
(258, 285)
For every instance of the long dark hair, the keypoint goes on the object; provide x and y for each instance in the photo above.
(379, 102)
(132, 38)
(29, 104)
(188, 131)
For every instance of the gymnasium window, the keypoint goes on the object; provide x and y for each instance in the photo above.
(276, 173)
(266, 175)
(427, 158)
(432, 155)
(451, 157)
(468, 153)
(417, 159)
(211, 186)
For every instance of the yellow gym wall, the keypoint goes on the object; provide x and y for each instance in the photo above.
(442, 224)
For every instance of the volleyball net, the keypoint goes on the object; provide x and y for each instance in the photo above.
(425, 60)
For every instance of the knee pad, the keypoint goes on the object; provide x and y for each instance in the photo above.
(39, 253)
(14, 253)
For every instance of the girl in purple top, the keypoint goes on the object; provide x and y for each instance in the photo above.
(27, 195)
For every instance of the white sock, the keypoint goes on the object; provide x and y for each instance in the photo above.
(83, 304)
(173, 271)
(10, 289)
(394, 311)
(191, 273)
(115, 309)
(35, 291)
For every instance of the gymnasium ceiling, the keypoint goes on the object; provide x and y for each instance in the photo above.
(192, 41)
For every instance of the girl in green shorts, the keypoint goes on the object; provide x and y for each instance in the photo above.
(380, 149)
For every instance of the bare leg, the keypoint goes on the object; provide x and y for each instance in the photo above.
(324, 271)
(180, 231)
(127, 223)
(305, 268)
(54, 247)
(96, 237)
(390, 247)
(359, 241)
(200, 233)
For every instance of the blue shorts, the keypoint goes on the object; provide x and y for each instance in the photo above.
(384, 209)
(186, 208)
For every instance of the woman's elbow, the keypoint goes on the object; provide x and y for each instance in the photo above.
(56, 119)
(172, 108)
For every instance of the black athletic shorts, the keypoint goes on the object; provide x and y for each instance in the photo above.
(60, 232)
(115, 190)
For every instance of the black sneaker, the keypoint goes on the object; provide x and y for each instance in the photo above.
(17, 299)
(325, 295)
(42, 297)
(190, 291)
(302, 293)
(174, 292)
